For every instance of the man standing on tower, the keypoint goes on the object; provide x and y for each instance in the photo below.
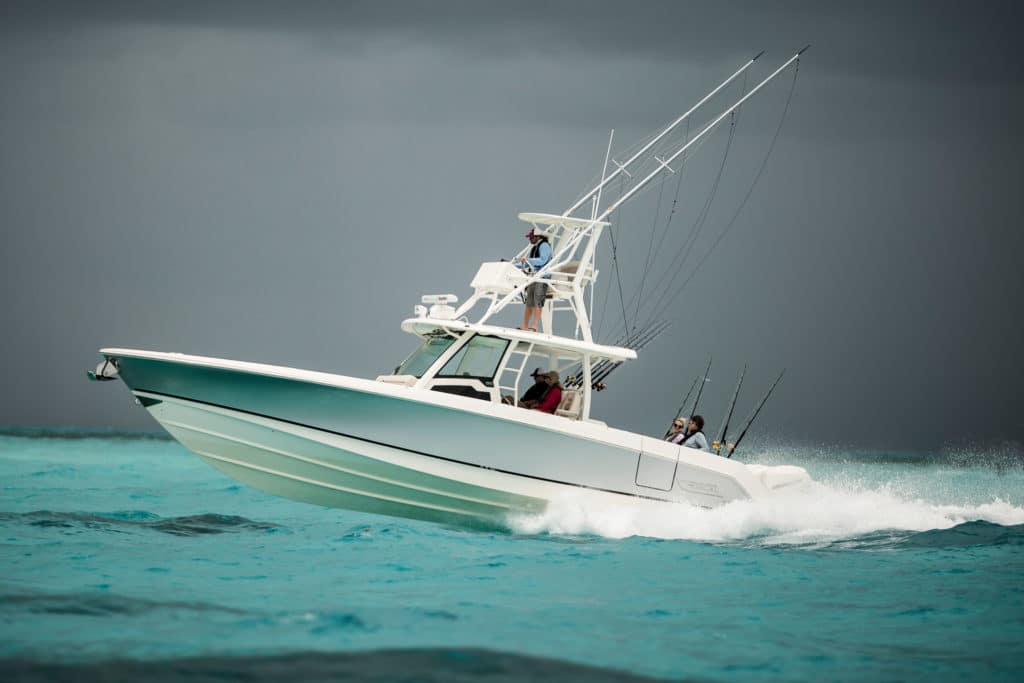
(540, 255)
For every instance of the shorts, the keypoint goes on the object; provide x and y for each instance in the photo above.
(535, 294)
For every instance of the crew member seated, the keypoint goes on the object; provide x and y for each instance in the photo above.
(554, 396)
(692, 436)
(677, 427)
(535, 394)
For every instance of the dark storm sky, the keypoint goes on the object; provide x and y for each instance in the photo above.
(280, 182)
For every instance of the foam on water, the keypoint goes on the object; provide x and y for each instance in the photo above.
(819, 513)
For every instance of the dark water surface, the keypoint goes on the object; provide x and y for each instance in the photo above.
(130, 559)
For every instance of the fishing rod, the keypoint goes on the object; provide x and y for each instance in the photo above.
(603, 368)
(683, 404)
(646, 335)
(716, 445)
(696, 401)
(733, 446)
(607, 367)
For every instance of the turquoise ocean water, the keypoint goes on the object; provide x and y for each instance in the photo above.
(131, 557)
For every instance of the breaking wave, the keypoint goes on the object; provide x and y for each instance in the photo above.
(818, 515)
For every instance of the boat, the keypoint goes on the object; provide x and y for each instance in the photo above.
(441, 438)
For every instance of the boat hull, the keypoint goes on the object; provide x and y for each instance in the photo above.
(363, 445)
(323, 468)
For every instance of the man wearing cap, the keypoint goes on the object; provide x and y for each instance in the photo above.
(540, 255)
(535, 394)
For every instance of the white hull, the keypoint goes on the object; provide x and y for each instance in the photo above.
(371, 446)
(313, 466)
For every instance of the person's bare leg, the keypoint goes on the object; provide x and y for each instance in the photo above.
(526, 318)
(535, 316)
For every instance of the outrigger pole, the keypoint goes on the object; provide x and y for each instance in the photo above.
(732, 448)
(607, 178)
(664, 163)
(716, 445)
(621, 168)
(696, 401)
(567, 249)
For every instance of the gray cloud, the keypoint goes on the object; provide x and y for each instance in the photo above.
(280, 183)
(937, 41)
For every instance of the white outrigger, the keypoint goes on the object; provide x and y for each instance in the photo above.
(434, 440)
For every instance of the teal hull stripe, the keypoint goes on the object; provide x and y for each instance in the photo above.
(400, 448)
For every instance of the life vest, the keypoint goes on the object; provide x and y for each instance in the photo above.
(687, 436)
(535, 249)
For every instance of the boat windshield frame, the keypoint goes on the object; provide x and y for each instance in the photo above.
(465, 350)
(435, 344)
(563, 354)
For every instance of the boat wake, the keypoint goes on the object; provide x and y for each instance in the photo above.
(818, 515)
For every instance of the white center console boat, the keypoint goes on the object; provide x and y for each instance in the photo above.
(437, 439)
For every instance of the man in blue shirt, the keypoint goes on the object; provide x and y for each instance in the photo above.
(540, 255)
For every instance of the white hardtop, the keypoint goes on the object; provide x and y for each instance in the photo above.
(423, 326)
(550, 219)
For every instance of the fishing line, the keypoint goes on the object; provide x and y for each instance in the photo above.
(671, 214)
(618, 279)
(604, 306)
(714, 189)
(650, 247)
(701, 219)
(649, 263)
(743, 203)
(634, 297)
(698, 226)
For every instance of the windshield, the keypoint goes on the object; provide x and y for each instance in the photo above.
(436, 343)
(479, 359)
